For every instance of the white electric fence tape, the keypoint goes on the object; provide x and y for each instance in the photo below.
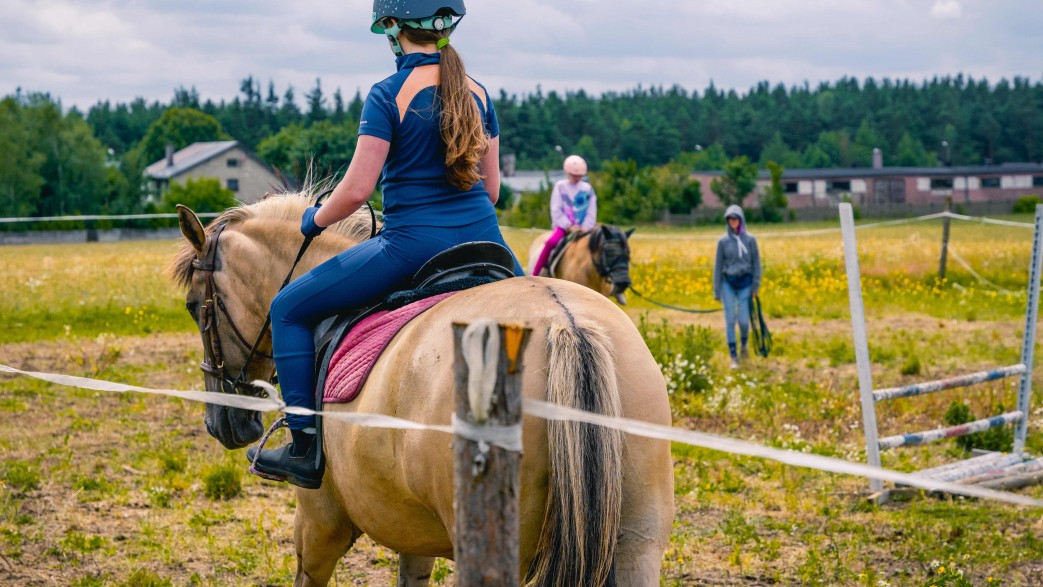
(742, 447)
(557, 412)
(505, 437)
(814, 232)
(103, 217)
(974, 273)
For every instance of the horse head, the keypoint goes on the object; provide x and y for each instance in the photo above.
(232, 270)
(225, 315)
(610, 250)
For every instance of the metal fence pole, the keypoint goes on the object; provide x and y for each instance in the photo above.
(1029, 337)
(945, 238)
(858, 326)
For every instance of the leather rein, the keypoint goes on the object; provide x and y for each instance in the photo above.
(210, 318)
(213, 351)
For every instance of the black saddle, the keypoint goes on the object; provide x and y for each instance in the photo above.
(455, 269)
(559, 251)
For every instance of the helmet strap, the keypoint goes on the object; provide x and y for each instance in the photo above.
(431, 23)
(392, 33)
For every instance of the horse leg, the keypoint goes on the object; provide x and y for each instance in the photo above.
(638, 559)
(414, 570)
(322, 534)
(646, 521)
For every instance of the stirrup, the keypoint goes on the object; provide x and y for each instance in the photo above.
(280, 423)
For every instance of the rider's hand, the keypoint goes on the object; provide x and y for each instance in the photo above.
(308, 226)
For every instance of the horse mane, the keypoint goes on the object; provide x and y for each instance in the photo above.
(279, 207)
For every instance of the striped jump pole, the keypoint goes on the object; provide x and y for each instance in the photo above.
(948, 383)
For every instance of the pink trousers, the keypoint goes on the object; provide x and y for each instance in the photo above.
(555, 238)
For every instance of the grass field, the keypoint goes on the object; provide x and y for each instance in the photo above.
(129, 490)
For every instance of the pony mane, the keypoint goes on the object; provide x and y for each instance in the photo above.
(280, 207)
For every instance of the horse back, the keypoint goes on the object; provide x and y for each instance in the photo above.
(398, 485)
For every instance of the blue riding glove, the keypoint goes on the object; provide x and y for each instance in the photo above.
(308, 226)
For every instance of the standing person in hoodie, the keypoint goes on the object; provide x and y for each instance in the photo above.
(736, 277)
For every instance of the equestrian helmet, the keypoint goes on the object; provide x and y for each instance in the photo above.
(417, 13)
(575, 165)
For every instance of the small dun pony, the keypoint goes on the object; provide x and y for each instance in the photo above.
(598, 258)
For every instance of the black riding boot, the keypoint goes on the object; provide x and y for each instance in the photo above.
(297, 462)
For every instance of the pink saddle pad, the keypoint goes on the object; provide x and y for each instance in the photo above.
(356, 354)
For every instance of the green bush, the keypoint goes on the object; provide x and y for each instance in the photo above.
(682, 353)
(999, 439)
(21, 475)
(202, 195)
(911, 366)
(223, 482)
(1026, 205)
(146, 578)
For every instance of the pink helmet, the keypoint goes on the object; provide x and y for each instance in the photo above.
(575, 165)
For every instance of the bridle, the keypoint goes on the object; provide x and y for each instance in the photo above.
(209, 319)
(619, 265)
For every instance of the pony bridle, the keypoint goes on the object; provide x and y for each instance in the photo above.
(209, 320)
(617, 270)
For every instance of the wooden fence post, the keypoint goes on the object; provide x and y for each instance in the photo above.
(487, 477)
(945, 238)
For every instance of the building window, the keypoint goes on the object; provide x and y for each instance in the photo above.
(990, 182)
(792, 187)
(232, 162)
(1037, 181)
(233, 184)
(840, 186)
(941, 183)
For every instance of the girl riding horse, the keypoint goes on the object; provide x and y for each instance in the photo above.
(433, 132)
(573, 207)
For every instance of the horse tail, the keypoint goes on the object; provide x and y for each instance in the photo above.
(578, 541)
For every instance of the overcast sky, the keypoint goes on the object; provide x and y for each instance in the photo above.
(83, 51)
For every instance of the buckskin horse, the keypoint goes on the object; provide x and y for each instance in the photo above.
(596, 506)
(602, 265)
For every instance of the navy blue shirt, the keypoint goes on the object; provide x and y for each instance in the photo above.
(416, 191)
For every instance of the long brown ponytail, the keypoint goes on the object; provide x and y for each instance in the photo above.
(462, 131)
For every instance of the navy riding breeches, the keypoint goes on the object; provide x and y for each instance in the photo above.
(360, 276)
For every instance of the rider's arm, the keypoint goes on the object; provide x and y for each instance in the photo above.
(591, 219)
(357, 185)
(490, 168)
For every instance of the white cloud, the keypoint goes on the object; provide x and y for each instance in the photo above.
(88, 50)
(946, 9)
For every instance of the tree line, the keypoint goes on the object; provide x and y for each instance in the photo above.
(641, 143)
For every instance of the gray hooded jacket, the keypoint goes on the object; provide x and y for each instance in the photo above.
(738, 259)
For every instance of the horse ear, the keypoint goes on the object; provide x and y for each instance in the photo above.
(631, 231)
(191, 227)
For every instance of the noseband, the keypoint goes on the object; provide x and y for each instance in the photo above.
(210, 317)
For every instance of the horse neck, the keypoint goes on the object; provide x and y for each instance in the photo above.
(262, 256)
(578, 265)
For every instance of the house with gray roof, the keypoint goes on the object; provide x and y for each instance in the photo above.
(226, 161)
